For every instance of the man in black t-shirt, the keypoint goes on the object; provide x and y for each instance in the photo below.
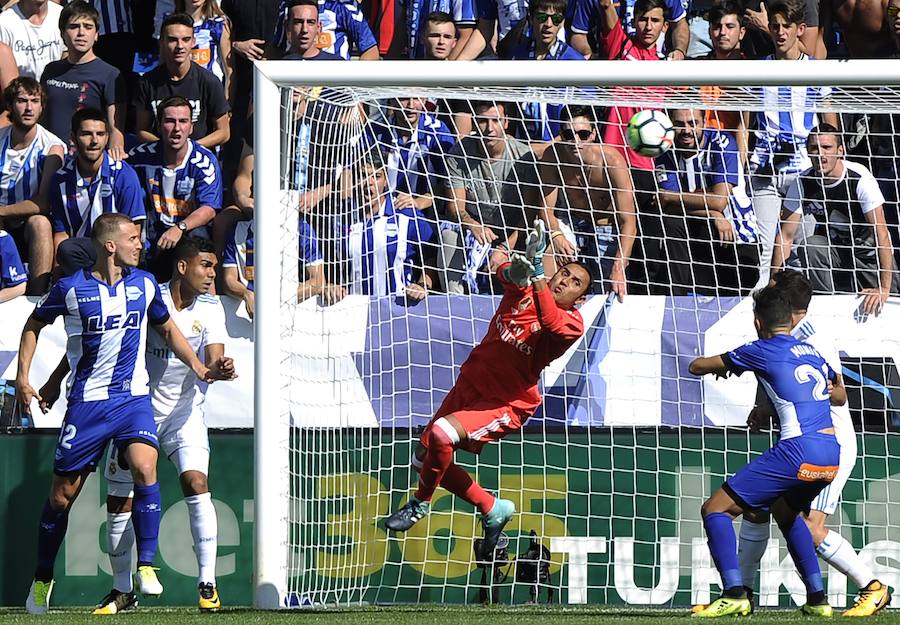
(178, 75)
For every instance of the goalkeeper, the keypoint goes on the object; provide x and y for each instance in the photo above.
(497, 389)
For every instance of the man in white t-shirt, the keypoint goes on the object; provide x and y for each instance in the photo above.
(29, 156)
(31, 29)
(177, 397)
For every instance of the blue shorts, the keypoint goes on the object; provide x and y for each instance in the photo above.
(796, 469)
(88, 426)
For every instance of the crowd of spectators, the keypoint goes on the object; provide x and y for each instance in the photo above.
(145, 108)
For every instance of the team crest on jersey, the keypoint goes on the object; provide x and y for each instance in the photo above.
(113, 467)
(197, 327)
(133, 293)
(524, 303)
(184, 186)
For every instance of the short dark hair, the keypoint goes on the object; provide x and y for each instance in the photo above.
(725, 7)
(88, 114)
(172, 101)
(826, 129)
(106, 225)
(78, 8)
(792, 11)
(180, 19)
(479, 106)
(645, 6)
(300, 3)
(577, 110)
(440, 17)
(28, 85)
(559, 6)
(795, 287)
(772, 308)
(190, 247)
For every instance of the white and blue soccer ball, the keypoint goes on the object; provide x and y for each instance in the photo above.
(650, 133)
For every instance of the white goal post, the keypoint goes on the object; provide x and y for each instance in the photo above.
(860, 86)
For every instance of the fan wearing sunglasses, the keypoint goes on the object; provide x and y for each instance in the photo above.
(590, 185)
(537, 37)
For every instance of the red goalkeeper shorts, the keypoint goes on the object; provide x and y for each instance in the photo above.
(484, 420)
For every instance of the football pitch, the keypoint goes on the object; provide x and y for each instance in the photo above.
(411, 615)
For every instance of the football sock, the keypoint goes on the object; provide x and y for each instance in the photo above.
(461, 484)
(205, 530)
(752, 545)
(723, 548)
(146, 513)
(119, 540)
(803, 553)
(51, 531)
(437, 459)
(840, 554)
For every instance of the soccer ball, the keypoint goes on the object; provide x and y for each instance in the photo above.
(650, 133)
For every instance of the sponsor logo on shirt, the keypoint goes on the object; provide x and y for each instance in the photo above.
(97, 324)
(508, 335)
(133, 293)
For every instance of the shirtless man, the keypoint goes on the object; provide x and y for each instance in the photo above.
(866, 27)
(591, 182)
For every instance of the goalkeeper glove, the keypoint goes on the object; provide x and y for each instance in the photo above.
(535, 246)
(519, 270)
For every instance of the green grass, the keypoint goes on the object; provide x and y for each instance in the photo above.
(410, 615)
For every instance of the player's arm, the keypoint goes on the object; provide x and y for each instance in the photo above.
(609, 17)
(220, 365)
(182, 349)
(837, 391)
(232, 285)
(681, 38)
(52, 388)
(709, 364)
(25, 393)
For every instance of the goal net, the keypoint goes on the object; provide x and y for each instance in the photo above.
(387, 199)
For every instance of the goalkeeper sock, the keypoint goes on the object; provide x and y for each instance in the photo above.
(438, 457)
(461, 484)
(119, 540)
(803, 553)
(723, 548)
(752, 545)
(840, 554)
(145, 514)
(205, 530)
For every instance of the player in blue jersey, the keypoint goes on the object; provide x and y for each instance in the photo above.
(182, 182)
(106, 311)
(91, 182)
(785, 479)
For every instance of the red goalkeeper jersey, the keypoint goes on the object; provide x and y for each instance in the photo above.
(526, 334)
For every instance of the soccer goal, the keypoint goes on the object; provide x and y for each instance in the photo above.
(385, 190)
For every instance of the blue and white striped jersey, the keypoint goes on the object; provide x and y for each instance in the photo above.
(207, 42)
(106, 326)
(173, 194)
(794, 376)
(115, 16)
(20, 170)
(12, 271)
(239, 250)
(343, 31)
(415, 164)
(385, 249)
(786, 131)
(717, 161)
(506, 13)
(75, 203)
(417, 11)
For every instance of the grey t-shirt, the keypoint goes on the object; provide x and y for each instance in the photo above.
(497, 190)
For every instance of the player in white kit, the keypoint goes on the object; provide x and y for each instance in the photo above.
(177, 398)
(830, 546)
